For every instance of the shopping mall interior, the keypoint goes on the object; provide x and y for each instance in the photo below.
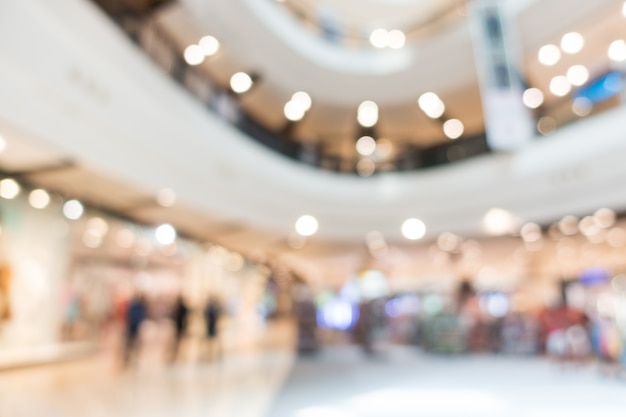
(303, 208)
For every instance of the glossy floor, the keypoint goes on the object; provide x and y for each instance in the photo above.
(339, 382)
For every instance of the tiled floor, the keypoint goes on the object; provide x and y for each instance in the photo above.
(339, 382)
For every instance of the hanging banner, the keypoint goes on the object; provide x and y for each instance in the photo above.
(509, 124)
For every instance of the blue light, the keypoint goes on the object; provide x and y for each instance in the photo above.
(337, 314)
(603, 88)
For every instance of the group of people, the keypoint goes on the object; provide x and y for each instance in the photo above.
(138, 311)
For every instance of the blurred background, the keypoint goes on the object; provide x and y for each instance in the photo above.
(301, 208)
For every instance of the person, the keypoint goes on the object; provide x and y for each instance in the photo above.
(135, 316)
(180, 315)
(212, 314)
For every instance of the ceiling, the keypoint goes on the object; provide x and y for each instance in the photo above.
(103, 124)
(288, 57)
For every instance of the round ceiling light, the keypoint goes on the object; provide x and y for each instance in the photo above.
(194, 55)
(240, 82)
(209, 45)
(413, 229)
(39, 198)
(549, 55)
(453, 128)
(366, 145)
(367, 115)
(533, 98)
(306, 225)
(572, 43)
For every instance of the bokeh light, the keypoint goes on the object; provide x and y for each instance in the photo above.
(549, 55)
(39, 198)
(307, 225)
(532, 98)
(240, 82)
(194, 55)
(572, 42)
(413, 229)
(209, 45)
(73, 209)
(453, 128)
(9, 188)
(165, 234)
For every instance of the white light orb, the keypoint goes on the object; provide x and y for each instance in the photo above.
(240, 82)
(307, 225)
(572, 42)
(194, 55)
(303, 99)
(9, 188)
(366, 145)
(577, 75)
(617, 51)
(165, 234)
(549, 55)
(294, 111)
(209, 45)
(379, 38)
(533, 98)
(453, 128)
(413, 229)
(498, 222)
(396, 39)
(431, 104)
(368, 113)
(560, 86)
(73, 209)
(39, 198)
